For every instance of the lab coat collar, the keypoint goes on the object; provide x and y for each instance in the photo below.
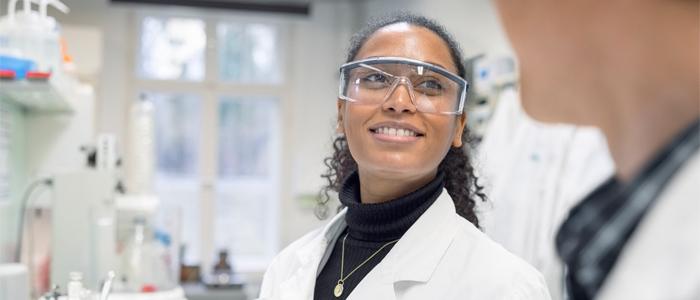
(300, 285)
(309, 253)
(417, 254)
(414, 257)
(419, 251)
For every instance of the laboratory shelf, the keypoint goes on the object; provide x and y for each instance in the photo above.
(39, 96)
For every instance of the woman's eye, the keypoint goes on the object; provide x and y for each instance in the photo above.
(375, 78)
(432, 85)
(374, 81)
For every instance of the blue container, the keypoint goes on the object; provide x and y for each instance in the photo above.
(19, 65)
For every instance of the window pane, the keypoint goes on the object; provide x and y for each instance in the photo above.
(177, 119)
(246, 134)
(242, 217)
(247, 183)
(248, 53)
(177, 131)
(172, 48)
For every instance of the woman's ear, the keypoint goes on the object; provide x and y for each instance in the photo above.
(459, 129)
(339, 128)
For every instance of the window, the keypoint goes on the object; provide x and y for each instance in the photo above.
(172, 48)
(248, 53)
(248, 137)
(216, 85)
(178, 121)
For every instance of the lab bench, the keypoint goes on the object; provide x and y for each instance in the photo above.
(201, 292)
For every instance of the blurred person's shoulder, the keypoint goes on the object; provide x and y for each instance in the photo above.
(662, 257)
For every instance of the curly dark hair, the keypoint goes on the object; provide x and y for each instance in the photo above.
(460, 179)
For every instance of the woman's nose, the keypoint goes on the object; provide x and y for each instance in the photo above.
(400, 97)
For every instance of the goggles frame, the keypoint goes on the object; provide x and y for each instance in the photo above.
(368, 62)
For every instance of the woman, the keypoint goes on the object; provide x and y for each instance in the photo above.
(408, 229)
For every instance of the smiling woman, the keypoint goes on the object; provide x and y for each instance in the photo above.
(408, 229)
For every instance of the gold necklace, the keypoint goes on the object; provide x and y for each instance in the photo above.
(339, 287)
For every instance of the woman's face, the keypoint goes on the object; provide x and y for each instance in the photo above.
(400, 157)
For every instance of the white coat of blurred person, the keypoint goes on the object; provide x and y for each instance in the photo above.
(630, 68)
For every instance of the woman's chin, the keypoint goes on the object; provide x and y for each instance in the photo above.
(393, 168)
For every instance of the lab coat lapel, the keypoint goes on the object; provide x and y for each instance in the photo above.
(415, 256)
(300, 286)
(418, 253)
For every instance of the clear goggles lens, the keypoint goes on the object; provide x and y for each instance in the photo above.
(431, 88)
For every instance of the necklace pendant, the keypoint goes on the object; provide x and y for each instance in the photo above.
(338, 289)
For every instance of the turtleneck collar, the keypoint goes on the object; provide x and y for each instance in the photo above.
(387, 220)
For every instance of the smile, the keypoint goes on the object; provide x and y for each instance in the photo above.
(395, 132)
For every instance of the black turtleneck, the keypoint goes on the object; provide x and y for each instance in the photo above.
(370, 226)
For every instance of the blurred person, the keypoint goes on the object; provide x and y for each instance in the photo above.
(534, 173)
(630, 68)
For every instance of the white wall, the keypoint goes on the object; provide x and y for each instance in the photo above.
(473, 23)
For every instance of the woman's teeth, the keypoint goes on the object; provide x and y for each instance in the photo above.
(395, 131)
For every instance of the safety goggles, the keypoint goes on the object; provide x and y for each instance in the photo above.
(432, 89)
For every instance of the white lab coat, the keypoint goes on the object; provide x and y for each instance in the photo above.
(662, 258)
(534, 174)
(442, 256)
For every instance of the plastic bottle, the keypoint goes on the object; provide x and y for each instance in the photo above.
(162, 261)
(49, 55)
(32, 35)
(133, 257)
(141, 169)
(76, 291)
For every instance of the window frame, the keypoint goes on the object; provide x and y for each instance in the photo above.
(210, 90)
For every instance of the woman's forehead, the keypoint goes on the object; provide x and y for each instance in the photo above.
(409, 41)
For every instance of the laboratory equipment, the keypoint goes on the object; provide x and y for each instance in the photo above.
(7, 75)
(107, 287)
(83, 215)
(223, 270)
(32, 35)
(490, 75)
(96, 231)
(78, 198)
(223, 275)
(18, 66)
(147, 244)
(141, 167)
(144, 266)
(54, 294)
(76, 291)
(84, 226)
